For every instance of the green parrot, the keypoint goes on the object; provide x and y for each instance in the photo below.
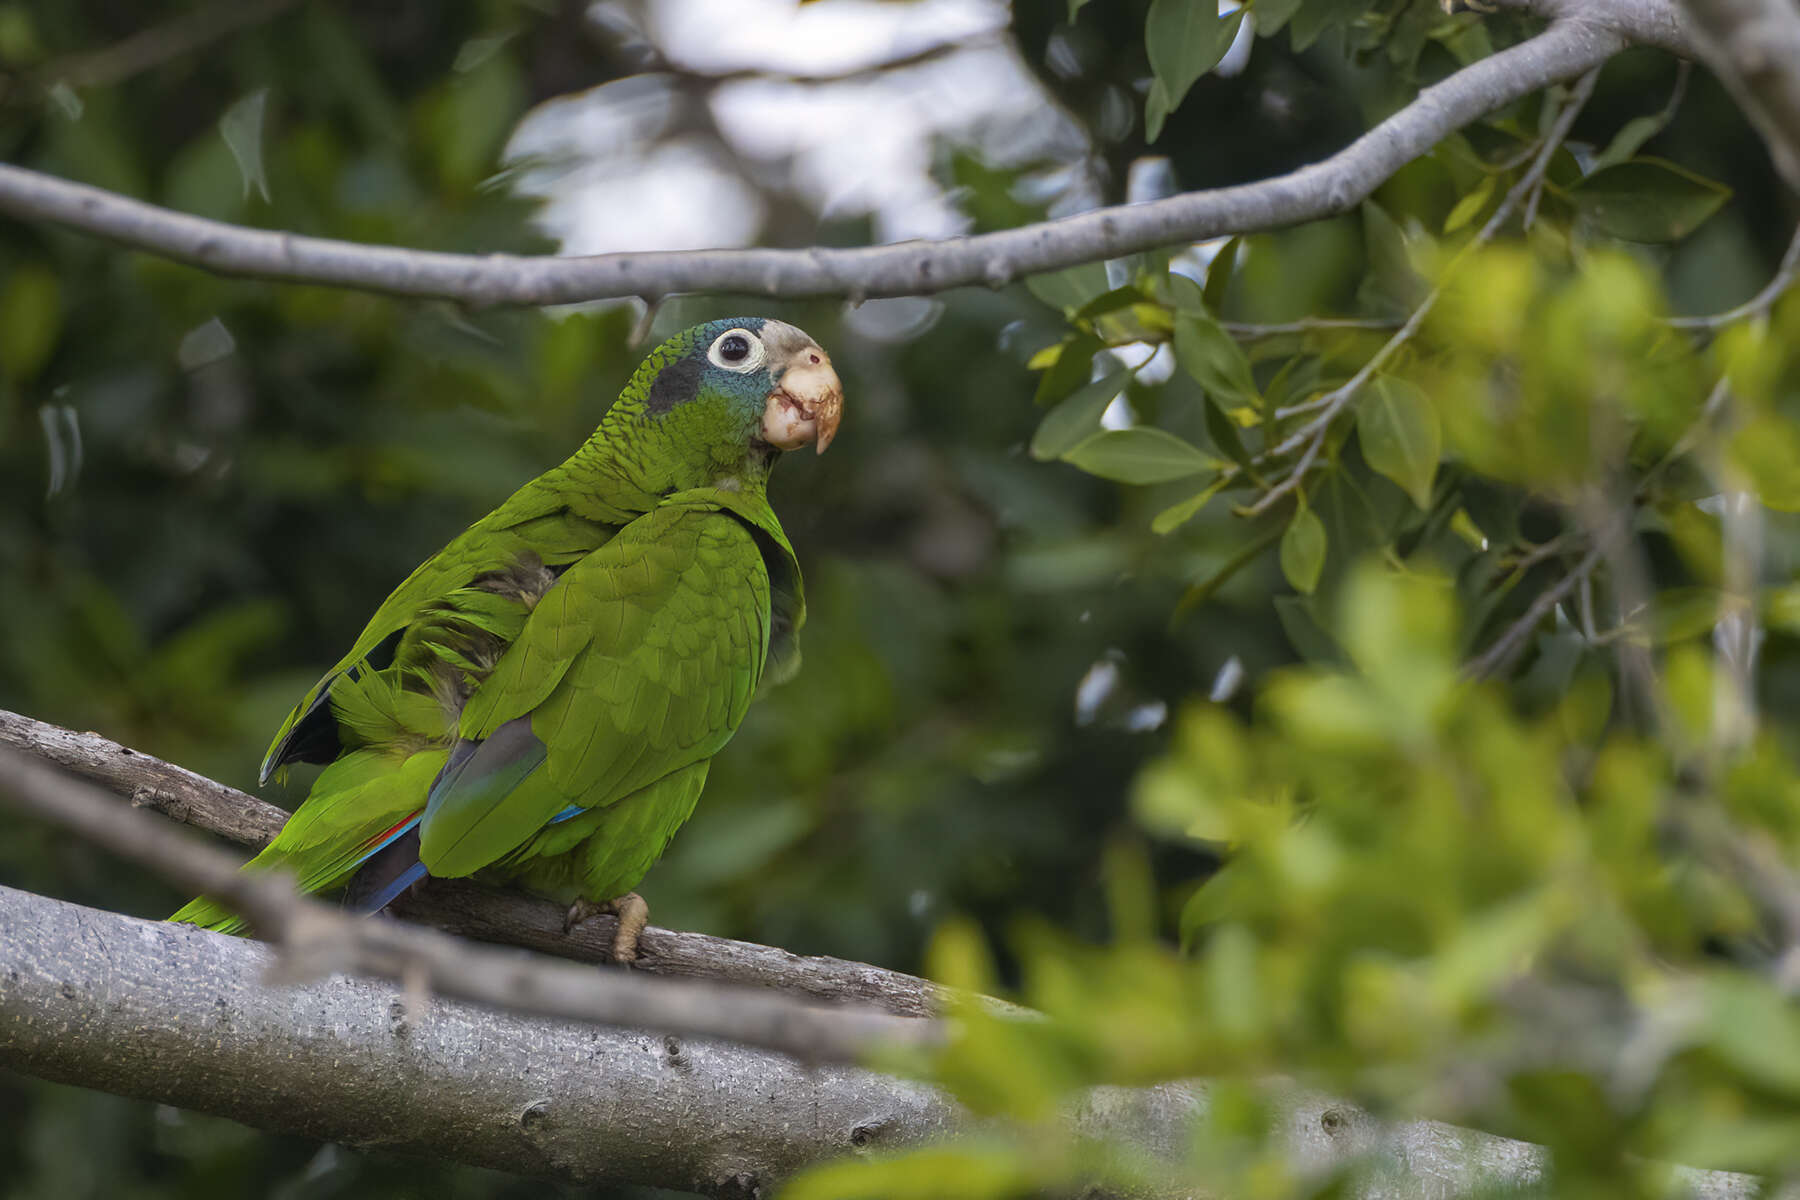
(538, 703)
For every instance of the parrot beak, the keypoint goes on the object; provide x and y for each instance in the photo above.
(807, 402)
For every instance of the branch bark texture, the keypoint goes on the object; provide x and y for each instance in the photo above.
(180, 1016)
(176, 1015)
(1582, 35)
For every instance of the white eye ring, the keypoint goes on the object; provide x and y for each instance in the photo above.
(753, 355)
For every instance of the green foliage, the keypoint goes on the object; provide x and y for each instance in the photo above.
(1517, 903)
(1423, 883)
(1184, 40)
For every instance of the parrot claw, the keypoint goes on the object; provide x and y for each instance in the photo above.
(581, 910)
(633, 915)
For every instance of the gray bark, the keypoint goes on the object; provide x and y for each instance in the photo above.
(180, 1016)
(1582, 35)
(176, 1015)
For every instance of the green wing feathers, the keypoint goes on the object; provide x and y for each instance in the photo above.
(535, 524)
(639, 664)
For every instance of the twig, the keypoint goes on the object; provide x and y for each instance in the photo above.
(314, 940)
(466, 908)
(1608, 513)
(1249, 332)
(1759, 304)
(1499, 656)
(914, 58)
(1540, 552)
(1337, 184)
(1754, 48)
(1312, 434)
(149, 48)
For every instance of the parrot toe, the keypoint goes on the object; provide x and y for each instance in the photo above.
(633, 914)
(580, 911)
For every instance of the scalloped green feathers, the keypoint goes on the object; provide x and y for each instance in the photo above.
(542, 698)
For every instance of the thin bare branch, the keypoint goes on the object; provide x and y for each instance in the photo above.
(466, 908)
(314, 940)
(934, 52)
(1754, 47)
(1758, 305)
(149, 48)
(1499, 656)
(1564, 50)
(1249, 332)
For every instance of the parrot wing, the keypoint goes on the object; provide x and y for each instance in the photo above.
(535, 525)
(639, 662)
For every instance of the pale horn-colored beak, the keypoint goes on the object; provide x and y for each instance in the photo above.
(807, 403)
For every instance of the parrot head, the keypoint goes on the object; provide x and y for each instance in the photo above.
(743, 383)
(715, 404)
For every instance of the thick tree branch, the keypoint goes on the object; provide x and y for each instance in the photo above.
(172, 1014)
(466, 908)
(176, 1015)
(315, 940)
(1590, 33)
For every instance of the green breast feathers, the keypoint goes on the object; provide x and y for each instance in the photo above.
(538, 702)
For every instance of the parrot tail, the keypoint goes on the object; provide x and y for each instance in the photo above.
(360, 804)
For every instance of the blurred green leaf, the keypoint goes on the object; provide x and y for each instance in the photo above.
(1213, 359)
(962, 1172)
(1072, 369)
(1647, 200)
(1176, 515)
(1767, 450)
(1392, 282)
(1631, 138)
(1218, 275)
(1401, 435)
(1224, 434)
(1069, 291)
(1755, 1030)
(1304, 631)
(1202, 590)
(1140, 456)
(30, 321)
(1303, 549)
(1272, 16)
(1470, 206)
(242, 129)
(1185, 39)
(1078, 417)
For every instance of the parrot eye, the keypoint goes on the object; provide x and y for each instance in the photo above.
(737, 350)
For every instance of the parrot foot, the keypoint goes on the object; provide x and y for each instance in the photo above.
(580, 911)
(633, 915)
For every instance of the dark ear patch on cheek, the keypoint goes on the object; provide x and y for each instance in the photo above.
(678, 381)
